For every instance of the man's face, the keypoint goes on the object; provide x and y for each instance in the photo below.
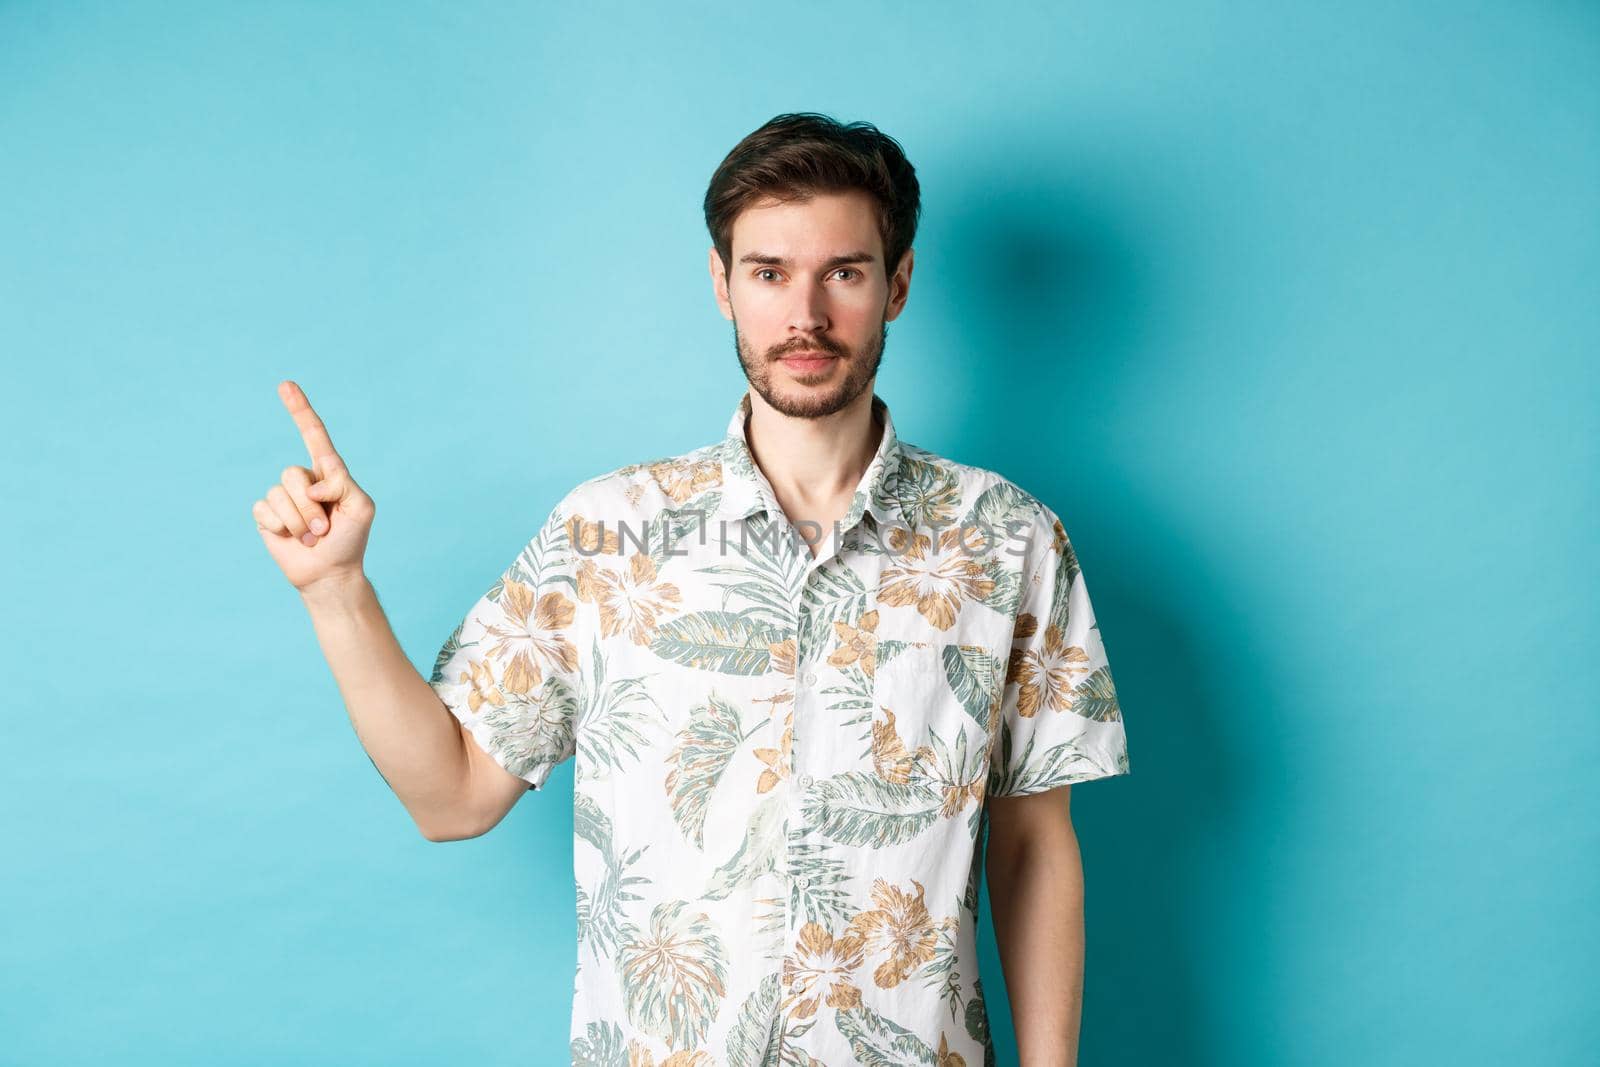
(809, 300)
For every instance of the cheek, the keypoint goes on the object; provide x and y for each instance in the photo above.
(763, 317)
(858, 315)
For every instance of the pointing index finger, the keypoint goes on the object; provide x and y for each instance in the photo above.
(324, 460)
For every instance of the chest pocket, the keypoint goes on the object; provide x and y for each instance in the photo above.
(936, 705)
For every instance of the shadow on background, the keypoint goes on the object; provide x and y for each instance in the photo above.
(1056, 300)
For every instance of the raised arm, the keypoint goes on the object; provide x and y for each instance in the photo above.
(314, 523)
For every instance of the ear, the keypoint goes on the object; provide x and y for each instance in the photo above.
(899, 287)
(719, 284)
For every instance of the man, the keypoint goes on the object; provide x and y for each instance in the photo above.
(802, 669)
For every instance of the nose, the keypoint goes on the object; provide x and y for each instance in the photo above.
(810, 311)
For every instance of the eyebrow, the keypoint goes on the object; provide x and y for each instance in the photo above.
(780, 261)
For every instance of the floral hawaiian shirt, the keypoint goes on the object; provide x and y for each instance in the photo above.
(782, 755)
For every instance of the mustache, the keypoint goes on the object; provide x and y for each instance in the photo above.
(832, 348)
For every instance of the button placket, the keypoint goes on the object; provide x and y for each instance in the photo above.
(794, 814)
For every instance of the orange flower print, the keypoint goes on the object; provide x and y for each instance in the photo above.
(901, 926)
(956, 797)
(937, 581)
(776, 759)
(631, 601)
(680, 479)
(639, 1056)
(857, 644)
(1047, 675)
(592, 537)
(484, 689)
(889, 755)
(531, 632)
(1058, 535)
(819, 972)
(783, 655)
(947, 1058)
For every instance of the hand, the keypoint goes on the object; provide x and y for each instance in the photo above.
(315, 521)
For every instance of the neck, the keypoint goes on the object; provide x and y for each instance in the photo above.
(812, 462)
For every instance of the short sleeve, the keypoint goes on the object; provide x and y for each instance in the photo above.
(510, 670)
(1059, 718)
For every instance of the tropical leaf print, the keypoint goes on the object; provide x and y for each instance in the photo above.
(660, 537)
(767, 574)
(601, 1046)
(1006, 592)
(928, 492)
(941, 976)
(533, 731)
(602, 914)
(1025, 772)
(887, 649)
(674, 977)
(1096, 697)
(590, 823)
(704, 749)
(833, 597)
(977, 1015)
(758, 852)
(768, 921)
(756, 1029)
(720, 641)
(818, 889)
(544, 561)
(976, 678)
(1063, 547)
(860, 808)
(448, 651)
(877, 1042)
(616, 723)
(956, 774)
(772, 1033)
(852, 692)
(1004, 512)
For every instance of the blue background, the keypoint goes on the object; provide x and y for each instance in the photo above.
(1289, 310)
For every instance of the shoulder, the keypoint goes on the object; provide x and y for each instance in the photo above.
(935, 488)
(641, 491)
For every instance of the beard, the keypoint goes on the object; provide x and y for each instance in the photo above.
(860, 368)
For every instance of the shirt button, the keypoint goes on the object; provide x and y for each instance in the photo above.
(811, 678)
(806, 781)
(802, 881)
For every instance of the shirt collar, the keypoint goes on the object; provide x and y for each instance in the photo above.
(745, 490)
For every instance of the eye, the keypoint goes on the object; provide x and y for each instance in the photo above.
(847, 270)
(765, 270)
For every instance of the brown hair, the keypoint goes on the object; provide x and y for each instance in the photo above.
(797, 154)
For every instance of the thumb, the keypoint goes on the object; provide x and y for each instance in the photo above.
(329, 490)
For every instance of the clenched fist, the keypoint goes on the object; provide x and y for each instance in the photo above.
(315, 521)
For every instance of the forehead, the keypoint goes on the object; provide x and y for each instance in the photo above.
(822, 225)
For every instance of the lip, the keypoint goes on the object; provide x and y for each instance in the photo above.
(808, 362)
